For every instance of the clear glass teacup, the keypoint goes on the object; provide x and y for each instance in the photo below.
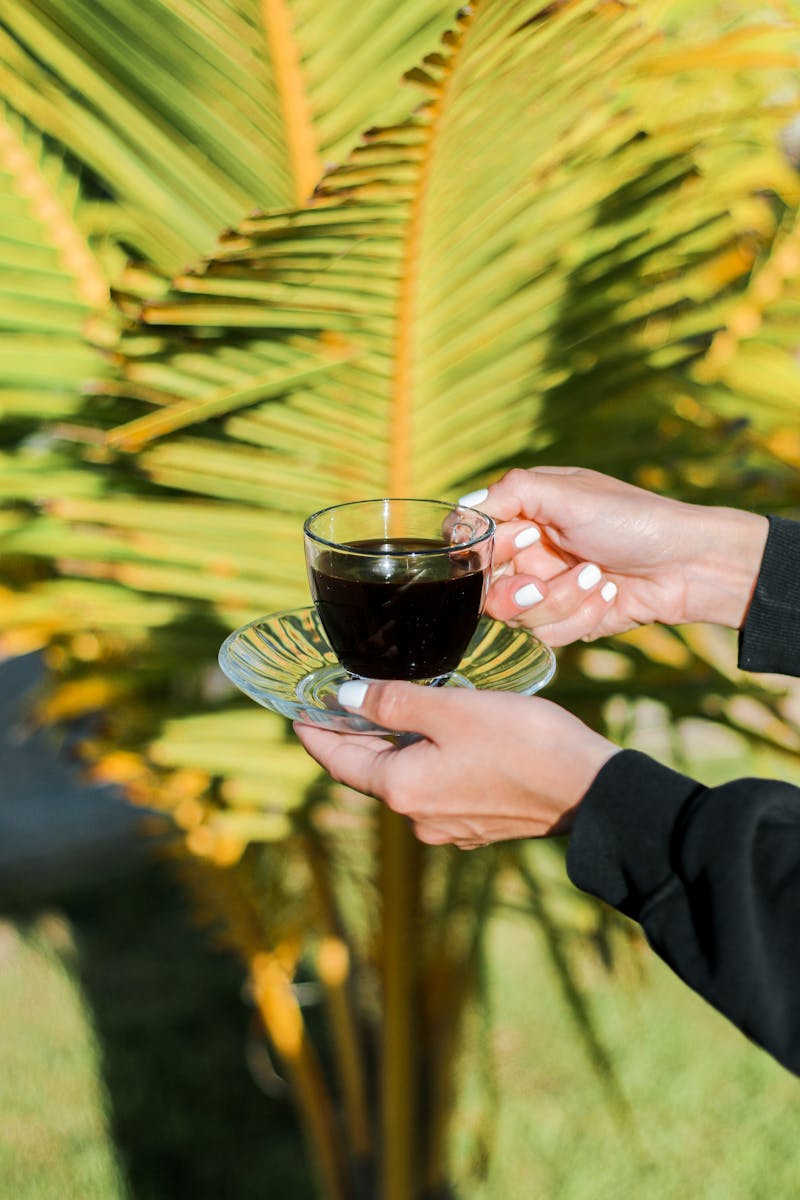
(399, 584)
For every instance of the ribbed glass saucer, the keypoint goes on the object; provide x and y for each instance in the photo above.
(284, 663)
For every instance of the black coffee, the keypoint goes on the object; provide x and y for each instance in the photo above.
(396, 615)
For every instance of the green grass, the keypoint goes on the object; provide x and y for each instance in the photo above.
(122, 1060)
(122, 1074)
(54, 1136)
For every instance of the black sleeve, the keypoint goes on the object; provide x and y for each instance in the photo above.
(770, 637)
(713, 874)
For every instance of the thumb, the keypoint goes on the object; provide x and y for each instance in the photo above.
(400, 706)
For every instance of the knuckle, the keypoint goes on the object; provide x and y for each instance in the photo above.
(516, 478)
(387, 705)
(429, 834)
(398, 798)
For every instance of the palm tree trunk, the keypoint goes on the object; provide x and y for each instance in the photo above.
(400, 882)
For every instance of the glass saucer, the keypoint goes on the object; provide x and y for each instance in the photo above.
(284, 663)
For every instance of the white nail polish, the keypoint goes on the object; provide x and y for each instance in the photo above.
(473, 498)
(528, 595)
(608, 591)
(500, 571)
(526, 537)
(351, 694)
(589, 576)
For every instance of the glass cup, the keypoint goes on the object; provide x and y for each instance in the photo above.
(399, 585)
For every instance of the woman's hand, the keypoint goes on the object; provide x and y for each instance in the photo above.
(492, 766)
(581, 555)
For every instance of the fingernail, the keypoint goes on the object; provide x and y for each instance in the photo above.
(608, 591)
(351, 694)
(500, 571)
(526, 537)
(473, 498)
(528, 595)
(589, 576)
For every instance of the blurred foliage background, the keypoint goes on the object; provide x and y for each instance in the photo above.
(259, 256)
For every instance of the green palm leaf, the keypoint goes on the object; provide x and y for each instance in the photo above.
(190, 114)
(50, 279)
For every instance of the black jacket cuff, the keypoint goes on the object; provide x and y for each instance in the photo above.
(619, 849)
(770, 637)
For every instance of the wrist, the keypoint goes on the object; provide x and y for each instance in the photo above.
(589, 759)
(721, 574)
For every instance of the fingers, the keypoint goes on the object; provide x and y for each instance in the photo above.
(359, 761)
(367, 764)
(404, 707)
(521, 493)
(468, 833)
(564, 609)
(520, 546)
(374, 765)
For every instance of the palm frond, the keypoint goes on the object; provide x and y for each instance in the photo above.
(51, 281)
(189, 114)
(629, 221)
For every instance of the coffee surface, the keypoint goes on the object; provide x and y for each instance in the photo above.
(392, 611)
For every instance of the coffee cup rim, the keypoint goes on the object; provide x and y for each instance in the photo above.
(450, 505)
